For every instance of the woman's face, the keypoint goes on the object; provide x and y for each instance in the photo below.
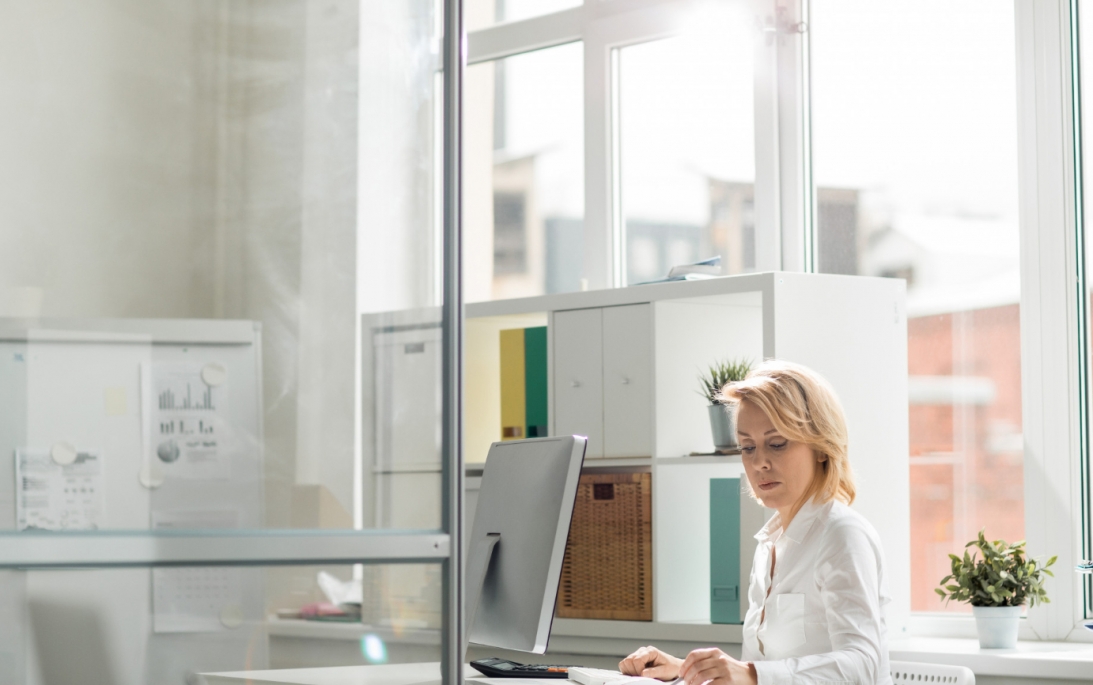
(780, 471)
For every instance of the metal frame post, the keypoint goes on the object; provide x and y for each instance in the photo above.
(452, 630)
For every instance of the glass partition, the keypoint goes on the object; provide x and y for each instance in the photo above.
(200, 200)
(167, 625)
(220, 336)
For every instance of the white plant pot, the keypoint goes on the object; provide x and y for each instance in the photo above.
(997, 626)
(723, 426)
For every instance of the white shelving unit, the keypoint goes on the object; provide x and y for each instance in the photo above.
(623, 367)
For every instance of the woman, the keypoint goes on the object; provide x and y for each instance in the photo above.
(817, 583)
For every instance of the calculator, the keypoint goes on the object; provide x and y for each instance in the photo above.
(503, 668)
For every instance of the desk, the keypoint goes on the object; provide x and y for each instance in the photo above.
(392, 674)
(1063, 663)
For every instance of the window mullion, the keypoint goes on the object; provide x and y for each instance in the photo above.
(768, 184)
(797, 197)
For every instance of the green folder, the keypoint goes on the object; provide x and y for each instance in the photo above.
(725, 587)
(535, 380)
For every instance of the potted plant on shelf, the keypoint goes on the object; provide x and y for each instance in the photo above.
(722, 420)
(997, 586)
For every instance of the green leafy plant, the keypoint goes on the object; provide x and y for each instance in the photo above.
(720, 374)
(1003, 577)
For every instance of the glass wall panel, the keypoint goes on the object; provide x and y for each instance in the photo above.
(915, 165)
(167, 625)
(200, 203)
(687, 147)
(523, 181)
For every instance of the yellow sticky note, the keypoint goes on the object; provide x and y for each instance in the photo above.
(114, 399)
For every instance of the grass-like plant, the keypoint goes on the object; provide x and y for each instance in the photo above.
(1003, 577)
(720, 374)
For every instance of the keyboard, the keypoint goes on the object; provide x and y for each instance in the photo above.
(503, 668)
(599, 676)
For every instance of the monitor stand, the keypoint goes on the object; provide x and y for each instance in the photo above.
(476, 579)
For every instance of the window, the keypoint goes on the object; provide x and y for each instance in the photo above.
(523, 187)
(479, 14)
(915, 167)
(510, 235)
(1085, 86)
(687, 149)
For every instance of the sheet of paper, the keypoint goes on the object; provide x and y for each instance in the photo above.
(197, 599)
(55, 497)
(189, 436)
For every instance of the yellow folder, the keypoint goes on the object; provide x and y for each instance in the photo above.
(513, 398)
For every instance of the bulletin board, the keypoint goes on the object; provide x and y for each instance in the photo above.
(132, 424)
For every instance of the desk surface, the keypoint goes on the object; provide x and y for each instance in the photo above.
(1040, 660)
(391, 674)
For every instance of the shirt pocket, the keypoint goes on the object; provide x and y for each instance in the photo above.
(785, 630)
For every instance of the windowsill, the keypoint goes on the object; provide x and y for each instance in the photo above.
(1038, 660)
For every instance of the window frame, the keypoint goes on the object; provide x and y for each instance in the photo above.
(1054, 322)
(1053, 348)
(603, 27)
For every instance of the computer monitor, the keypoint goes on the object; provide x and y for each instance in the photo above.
(515, 552)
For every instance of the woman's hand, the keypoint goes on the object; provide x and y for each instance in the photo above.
(715, 667)
(650, 662)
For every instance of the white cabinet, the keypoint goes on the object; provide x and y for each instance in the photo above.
(628, 381)
(603, 377)
(578, 376)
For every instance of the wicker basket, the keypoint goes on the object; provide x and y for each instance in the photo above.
(608, 567)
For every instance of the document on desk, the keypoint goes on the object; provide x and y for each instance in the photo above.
(198, 599)
(53, 496)
(599, 676)
(189, 435)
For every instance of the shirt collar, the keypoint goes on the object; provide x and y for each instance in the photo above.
(798, 529)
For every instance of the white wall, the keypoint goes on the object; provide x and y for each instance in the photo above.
(98, 118)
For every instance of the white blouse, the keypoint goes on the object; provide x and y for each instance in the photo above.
(823, 621)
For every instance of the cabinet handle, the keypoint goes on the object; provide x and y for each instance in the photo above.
(625, 380)
(575, 384)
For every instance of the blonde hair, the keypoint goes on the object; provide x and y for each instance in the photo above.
(803, 407)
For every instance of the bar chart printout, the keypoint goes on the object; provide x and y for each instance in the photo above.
(182, 395)
(191, 438)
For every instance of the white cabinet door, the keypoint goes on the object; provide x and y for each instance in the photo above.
(578, 376)
(628, 381)
(406, 396)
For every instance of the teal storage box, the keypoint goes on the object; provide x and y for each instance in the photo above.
(725, 581)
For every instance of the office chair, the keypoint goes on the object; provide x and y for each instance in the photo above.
(904, 672)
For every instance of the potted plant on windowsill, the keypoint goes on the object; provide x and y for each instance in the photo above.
(722, 419)
(997, 586)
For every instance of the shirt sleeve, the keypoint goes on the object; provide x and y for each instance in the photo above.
(848, 575)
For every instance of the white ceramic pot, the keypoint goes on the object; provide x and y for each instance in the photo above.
(997, 626)
(723, 426)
